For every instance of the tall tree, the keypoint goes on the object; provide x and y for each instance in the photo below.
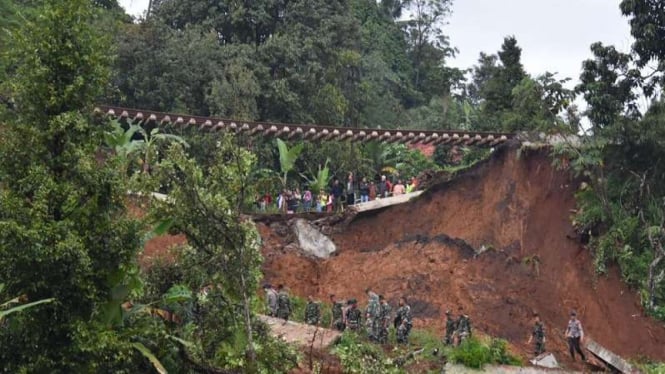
(607, 84)
(64, 233)
(429, 46)
(647, 26)
(498, 91)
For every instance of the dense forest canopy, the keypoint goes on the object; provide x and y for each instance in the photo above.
(64, 229)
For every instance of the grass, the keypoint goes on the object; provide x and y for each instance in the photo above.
(359, 355)
(648, 367)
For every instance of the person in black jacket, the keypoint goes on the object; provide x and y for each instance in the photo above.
(364, 190)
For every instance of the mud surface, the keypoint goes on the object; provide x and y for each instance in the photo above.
(518, 209)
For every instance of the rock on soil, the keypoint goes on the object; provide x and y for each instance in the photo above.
(311, 240)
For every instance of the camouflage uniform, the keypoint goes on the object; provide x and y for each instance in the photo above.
(283, 305)
(463, 328)
(338, 316)
(312, 313)
(403, 324)
(451, 326)
(353, 317)
(373, 314)
(538, 335)
(384, 320)
(271, 302)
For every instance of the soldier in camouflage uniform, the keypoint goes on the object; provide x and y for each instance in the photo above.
(463, 327)
(312, 311)
(337, 321)
(538, 335)
(271, 300)
(372, 315)
(384, 320)
(403, 321)
(451, 326)
(353, 316)
(283, 303)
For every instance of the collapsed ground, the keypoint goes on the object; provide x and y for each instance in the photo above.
(516, 206)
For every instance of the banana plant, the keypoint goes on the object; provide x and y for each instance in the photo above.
(120, 140)
(319, 182)
(122, 143)
(287, 158)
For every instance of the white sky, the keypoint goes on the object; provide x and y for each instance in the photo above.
(555, 35)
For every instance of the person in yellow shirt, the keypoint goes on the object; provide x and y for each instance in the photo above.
(322, 202)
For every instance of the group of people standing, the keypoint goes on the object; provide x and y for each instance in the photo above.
(457, 329)
(278, 301)
(378, 316)
(337, 195)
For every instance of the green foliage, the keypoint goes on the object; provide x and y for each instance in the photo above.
(472, 353)
(475, 353)
(500, 355)
(647, 24)
(5, 309)
(358, 356)
(511, 100)
(151, 357)
(287, 158)
(607, 84)
(222, 258)
(649, 367)
(64, 233)
(319, 182)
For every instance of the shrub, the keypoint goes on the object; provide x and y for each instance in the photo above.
(475, 353)
(472, 353)
(362, 357)
(500, 354)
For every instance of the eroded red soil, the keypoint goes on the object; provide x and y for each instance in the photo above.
(518, 206)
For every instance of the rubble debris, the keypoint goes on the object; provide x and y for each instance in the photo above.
(546, 360)
(609, 358)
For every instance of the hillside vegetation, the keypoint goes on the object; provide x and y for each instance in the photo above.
(70, 240)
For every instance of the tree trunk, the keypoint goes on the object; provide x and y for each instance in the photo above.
(251, 354)
(652, 280)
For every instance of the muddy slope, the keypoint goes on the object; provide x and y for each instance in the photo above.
(519, 207)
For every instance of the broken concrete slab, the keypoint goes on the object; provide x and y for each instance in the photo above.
(385, 202)
(546, 360)
(311, 240)
(609, 358)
